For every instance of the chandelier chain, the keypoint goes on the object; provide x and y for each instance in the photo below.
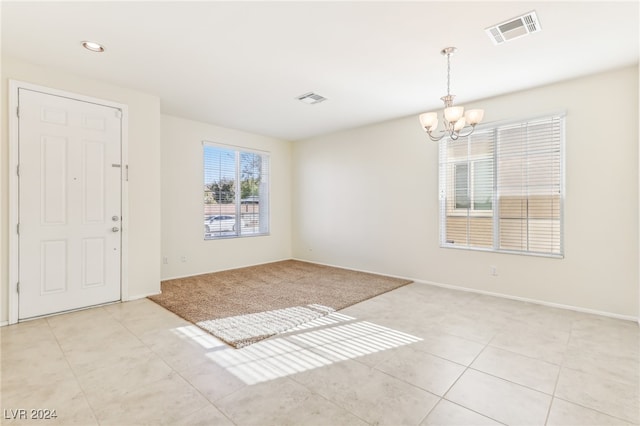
(448, 74)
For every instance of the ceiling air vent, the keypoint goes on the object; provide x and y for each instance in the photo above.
(514, 28)
(311, 98)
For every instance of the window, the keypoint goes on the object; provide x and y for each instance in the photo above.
(477, 187)
(236, 192)
(501, 189)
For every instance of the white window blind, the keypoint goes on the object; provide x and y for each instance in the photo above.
(236, 192)
(501, 188)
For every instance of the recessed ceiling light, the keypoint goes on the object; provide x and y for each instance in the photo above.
(93, 46)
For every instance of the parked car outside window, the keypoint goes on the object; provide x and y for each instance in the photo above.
(219, 223)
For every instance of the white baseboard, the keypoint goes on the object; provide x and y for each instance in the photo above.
(535, 301)
(141, 296)
(489, 293)
(356, 270)
(3, 323)
(220, 270)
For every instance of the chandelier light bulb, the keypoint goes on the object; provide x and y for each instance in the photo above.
(429, 120)
(453, 114)
(474, 116)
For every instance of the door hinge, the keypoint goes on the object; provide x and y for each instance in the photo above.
(18, 170)
(126, 173)
(18, 229)
(18, 287)
(18, 111)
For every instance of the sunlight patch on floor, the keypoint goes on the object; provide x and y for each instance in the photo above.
(324, 341)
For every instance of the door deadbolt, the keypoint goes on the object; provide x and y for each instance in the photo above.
(115, 218)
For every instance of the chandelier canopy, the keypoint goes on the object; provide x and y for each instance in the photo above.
(455, 119)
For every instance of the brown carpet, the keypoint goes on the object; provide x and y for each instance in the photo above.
(269, 287)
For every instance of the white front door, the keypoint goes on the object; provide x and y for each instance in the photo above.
(69, 203)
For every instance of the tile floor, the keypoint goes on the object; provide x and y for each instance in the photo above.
(419, 355)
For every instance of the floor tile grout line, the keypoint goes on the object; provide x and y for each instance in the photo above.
(400, 379)
(180, 374)
(477, 412)
(73, 372)
(614, 379)
(292, 379)
(561, 366)
(534, 358)
(443, 396)
(631, 422)
(588, 407)
(512, 382)
(84, 391)
(212, 403)
(170, 367)
(467, 368)
(470, 367)
(494, 376)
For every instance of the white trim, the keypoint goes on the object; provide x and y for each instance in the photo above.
(238, 151)
(4, 323)
(366, 271)
(70, 311)
(13, 203)
(234, 147)
(141, 296)
(230, 269)
(535, 301)
(520, 119)
(447, 185)
(489, 293)
(124, 204)
(14, 86)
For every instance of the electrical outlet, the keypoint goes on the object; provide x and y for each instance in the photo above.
(165, 260)
(493, 271)
(183, 259)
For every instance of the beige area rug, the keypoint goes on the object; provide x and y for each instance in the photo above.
(243, 306)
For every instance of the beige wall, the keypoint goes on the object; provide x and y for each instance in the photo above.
(323, 190)
(183, 201)
(144, 171)
(393, 166)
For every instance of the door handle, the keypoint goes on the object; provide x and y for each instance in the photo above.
(115, 229)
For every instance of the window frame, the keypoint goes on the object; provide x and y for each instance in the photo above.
(264, 221)
(452, 192)
(446, 191)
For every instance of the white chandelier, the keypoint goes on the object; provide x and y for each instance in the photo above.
(455, 119)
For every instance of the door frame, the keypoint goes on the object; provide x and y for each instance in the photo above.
(14, 241)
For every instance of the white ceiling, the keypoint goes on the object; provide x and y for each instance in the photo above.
(241, 64)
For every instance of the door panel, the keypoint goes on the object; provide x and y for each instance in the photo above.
(69, 191)
(53, 166)
(93, 183)
(93, 267)
(53, 271)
